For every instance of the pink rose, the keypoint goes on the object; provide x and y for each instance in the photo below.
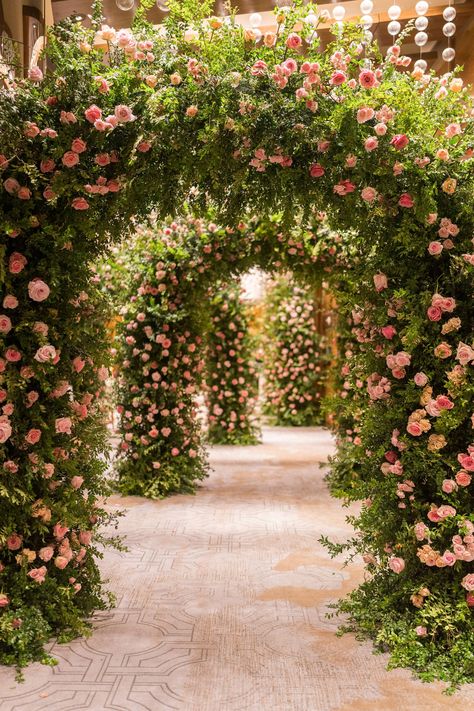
(93, 113)
(396, 564)
(435, 248)
(443, 350)
(123, 114)
(78, 145)
(369, 194)
(337, 78)
(5, 430)
(380, 282)
(5, 324)
(399, 141)
(468, 582)
(70, 159)
(191, 111)
(367, 79)
(293, 41)
(46, 553)
(434, 313)
(38, 290)
(421, 531)
(388, 332)
(80, 203)
(60, 531)
(60, 562)
(371, 143)
(12, 355)
(464, 353)
(102, 159)
(420, 379)
(4, 600)
(10, 302)
(47, 165)
(364, 114)
(17, 263)
(38, 574)
(78, 364)
(24, 193)
(77, 482)
(316, 170)
(33, 436)
(14, 541)
(406, 200)
(463, 478)
(85, 538)
(11, 185)
(45, 354)
(414, 428)
(448, 486)
(380, 129)
(63, 425)
(421, 631)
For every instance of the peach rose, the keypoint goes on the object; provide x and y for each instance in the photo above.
(396, 564)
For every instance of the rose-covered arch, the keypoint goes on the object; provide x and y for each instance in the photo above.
(166, 285)
(141, 120)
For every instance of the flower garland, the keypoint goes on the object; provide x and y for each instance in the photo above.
(232, 384)
(296, 357)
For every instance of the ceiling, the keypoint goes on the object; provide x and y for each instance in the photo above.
(462, 41)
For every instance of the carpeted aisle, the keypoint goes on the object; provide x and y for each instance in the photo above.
(221, 604)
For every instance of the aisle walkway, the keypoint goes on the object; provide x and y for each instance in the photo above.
(221, 604)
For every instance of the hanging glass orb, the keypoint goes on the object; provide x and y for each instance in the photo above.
(393, 28)
(421, 23)
(366, 21)
(421, 7)
(449, 13)
(421, 38)
(448, 54)
(394, 12)
(255, 19)
(449, 29)
(257, 33)
(162, 5)
(339, 13)
(125, 4)
(421, 64)
(366, 7)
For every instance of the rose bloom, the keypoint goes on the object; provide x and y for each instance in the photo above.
(63, 425)
(468, 582)
(93, 113)
(70, 159)
(337, 78)
(33, 436)
(443, 350)
(38, 290)
(45, 354)
(60, 562)
(10, 302)
(17, 263)
(293, 41)
(367, 79)
(316, 170)
(5, 430)
(369, 194)
(14, 541)
(464, 353)
(414, 428)
(435, 248)
(5, 324)
(191, 111)
(380, 281)
(396, 564)
(80, 203)
(123, 114)
(77, 482)
(463, 478)
(406, 200)
(399, 141)
(371, 143)
(12, 355)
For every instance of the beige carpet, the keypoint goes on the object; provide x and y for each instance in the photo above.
(221, 604)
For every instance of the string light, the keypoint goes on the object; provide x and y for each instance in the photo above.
(125, 4)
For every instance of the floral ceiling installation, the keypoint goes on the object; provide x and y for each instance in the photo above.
(142, 119)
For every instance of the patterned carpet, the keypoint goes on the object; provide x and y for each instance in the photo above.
(222, 600)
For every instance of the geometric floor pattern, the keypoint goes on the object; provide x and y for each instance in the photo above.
(222, 600)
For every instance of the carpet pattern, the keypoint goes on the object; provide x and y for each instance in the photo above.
(222, 601)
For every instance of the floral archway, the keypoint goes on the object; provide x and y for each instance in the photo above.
(141, 120)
